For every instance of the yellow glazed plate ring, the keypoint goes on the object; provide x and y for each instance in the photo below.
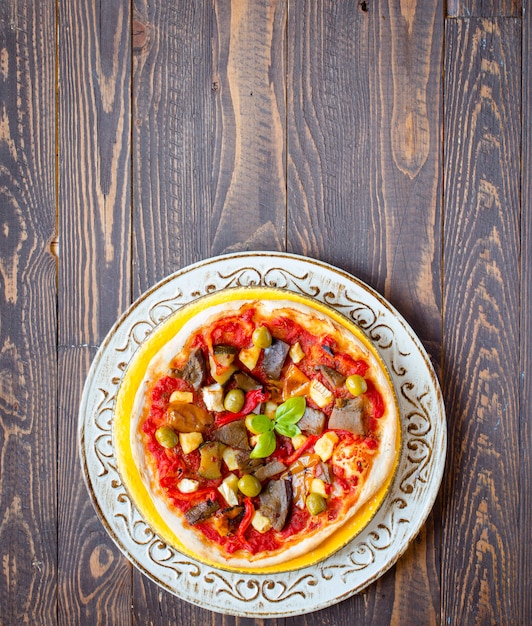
(135, 374)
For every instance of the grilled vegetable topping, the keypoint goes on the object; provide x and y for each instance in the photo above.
(356, 385)
(166, 436)
(261, 337)
(211, 460)
(234, 400)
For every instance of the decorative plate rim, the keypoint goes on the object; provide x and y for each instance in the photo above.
(397, 522)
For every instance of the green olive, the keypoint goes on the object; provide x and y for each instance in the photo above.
(234, 400)
(249, 485)
(316, 503)
(356, 384)
(261, 337)
(166, 436)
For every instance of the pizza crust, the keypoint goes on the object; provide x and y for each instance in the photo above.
(383, 463)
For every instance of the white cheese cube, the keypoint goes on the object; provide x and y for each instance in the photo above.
(182, 396)
(213, 396)
(249, 356)
(190, 441)
(230, 459)
(320, 394)
(260, 522)
(187, 485)
(228, 489)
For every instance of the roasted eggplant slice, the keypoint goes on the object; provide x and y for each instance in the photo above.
(276, 502)
(349, 415)
(274, 358)
(333, 377)
(312, 422)
(234, 434)
(193, 371)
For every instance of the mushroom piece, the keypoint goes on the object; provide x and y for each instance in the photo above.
(276, 501)
(349, 415)
(194, 369)
(269, 470)
(188, 418)
(274, 358)
(245, 381)
(202, 511)
(312, 422)
(332, 376)
(234, 434)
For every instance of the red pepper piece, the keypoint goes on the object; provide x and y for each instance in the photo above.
(246, 520)
(295, 456)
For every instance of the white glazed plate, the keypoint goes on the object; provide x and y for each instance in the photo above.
(377, 547)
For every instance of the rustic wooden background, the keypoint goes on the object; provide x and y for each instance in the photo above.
(391, 138)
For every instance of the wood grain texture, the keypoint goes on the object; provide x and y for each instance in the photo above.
(364, 188)
(187, 129)
(328, 129)
(481, 321)
(525, 389)
(363, 153)
(249, 210)
(94, 205)
(172, 161)
(94, 578)
(484, 8)
(208, 161)
(94, 130)
(28, 369)
(172, 136)
(208, 165)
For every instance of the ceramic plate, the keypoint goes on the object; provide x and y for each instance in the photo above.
(376, 548)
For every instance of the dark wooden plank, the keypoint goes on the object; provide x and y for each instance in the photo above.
(364, 193)
(28, 369)
(484, 8)
(94, 166)
(208, 168)
(173, 116)
(94, 95)
(481, 321)
(249, 204)
(525, 391)
(94, 578)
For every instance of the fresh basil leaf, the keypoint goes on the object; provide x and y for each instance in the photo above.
(259, 423)
(265, 445)
(288, 430)
(290, 411)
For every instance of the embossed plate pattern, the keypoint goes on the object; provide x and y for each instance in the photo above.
(390, 531)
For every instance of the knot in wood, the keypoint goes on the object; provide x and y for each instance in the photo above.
(139, 35)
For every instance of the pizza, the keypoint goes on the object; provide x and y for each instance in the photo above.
(261, 428)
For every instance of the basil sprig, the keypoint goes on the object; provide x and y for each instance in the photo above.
(284, 422)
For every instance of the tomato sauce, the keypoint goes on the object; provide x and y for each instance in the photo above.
(234, 330)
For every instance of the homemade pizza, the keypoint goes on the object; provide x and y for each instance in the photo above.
(262, 427)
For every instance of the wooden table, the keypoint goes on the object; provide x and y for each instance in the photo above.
(391, 139)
